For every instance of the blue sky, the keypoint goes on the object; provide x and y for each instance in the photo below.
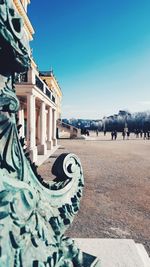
(99, 51)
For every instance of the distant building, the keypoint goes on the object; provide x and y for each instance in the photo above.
(39, 105)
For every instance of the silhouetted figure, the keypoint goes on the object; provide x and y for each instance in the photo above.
(144, 135)
(97, 132)
(112, 135)
(137, 133)
(115, 134)
(104, 132)
(123, 134)
(128, 135)
(141, 133)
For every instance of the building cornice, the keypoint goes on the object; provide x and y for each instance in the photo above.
(57, 86)
(53, 80)
(22, 12)
(33, 65)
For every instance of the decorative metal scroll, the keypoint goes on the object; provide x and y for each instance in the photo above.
(33, 214)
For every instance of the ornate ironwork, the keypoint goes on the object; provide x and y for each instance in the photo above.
(21, 78)
(33, 214)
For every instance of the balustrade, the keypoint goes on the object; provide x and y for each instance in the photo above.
(39, 83)
(48, 93)
(53, 99)
(21, 78)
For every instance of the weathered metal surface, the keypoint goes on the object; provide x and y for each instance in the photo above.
(14, 47)
(33, 214)
(33, 218)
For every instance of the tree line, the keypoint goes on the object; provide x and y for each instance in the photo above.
(135, 121)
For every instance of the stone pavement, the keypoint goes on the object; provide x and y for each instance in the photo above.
(115, 252)
(116, 199)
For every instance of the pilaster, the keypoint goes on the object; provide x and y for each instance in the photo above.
(31, 130)
(50, 125)
(21, 121)
(54, 128)
(42, 147)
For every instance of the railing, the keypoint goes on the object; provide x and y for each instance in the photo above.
(53, 98)
(42, 86)
(65, 127)
(39, 83)
(21, 78)
(48, 93)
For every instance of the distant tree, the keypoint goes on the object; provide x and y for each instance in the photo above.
(139, 120)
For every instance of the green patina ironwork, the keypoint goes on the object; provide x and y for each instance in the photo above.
(33, 214)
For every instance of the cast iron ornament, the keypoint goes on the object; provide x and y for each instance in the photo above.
(33, 214)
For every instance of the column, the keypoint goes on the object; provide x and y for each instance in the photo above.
(38, 128)
(54, 128)
(42, 147)
(31, 121)
(49, 128)
(22, 115)
(31, 76)
(21, 121)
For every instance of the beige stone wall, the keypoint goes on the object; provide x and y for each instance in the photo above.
(54, 86)
(37, 113)
(21, 8)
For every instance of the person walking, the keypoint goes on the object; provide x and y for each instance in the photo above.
(141, 133)
(137, 133)
(123, 134)
(128, 135)
(115, 134)
(144, 135)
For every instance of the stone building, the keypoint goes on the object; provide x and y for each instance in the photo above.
(39, 103)
(49, 78)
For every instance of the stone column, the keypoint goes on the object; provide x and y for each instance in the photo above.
(38, 128)
(54, 128)
(49, 130)
(22, 115)
(42, 148)
(21, 121)
(31, 121)
(31, 76)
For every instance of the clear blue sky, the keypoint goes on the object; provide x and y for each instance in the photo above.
(99, 51)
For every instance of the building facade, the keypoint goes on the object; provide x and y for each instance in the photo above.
(49, 78)
(38, 106)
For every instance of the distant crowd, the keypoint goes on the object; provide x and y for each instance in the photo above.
(125, 134)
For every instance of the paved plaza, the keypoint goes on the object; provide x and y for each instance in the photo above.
(116, 199)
